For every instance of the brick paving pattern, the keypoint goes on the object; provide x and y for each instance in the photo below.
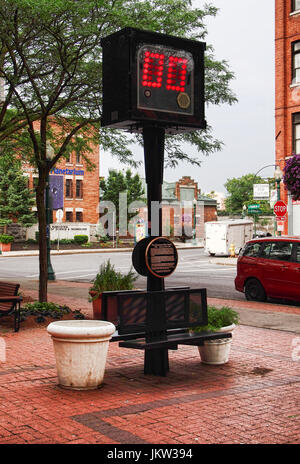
(254, 398)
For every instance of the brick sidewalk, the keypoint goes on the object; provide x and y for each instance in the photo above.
(254, 398)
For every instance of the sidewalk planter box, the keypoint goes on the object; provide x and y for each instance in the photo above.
(216, 351)
(80, 348)
(5, 246)
(5, 242)
(97, 305)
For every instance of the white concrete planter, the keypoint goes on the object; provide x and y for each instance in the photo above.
(216, 351)
(80, 348)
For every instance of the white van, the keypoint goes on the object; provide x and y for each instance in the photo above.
(219, 235)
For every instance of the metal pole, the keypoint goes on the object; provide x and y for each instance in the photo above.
(156, 361)
(51, 274)
(194, 225)
(278, 196)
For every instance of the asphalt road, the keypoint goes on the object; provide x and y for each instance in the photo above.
(194, 269)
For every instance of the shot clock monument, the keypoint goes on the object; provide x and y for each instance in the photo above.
(153, 84)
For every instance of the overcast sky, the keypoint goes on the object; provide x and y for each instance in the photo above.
(243, 34)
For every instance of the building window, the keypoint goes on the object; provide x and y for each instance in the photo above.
(69, 216)
(295, 5)
(69, 188)
(79, 216)
(79, 189)
(296, 62)
(78, 158)
(35, 182)
(68, 158)
(296, 133)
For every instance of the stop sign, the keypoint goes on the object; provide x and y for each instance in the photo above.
(280, 208)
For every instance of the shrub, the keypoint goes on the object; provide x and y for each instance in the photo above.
(108, 279)
(47, 309)
(6, 238)
(80, 239)
(218, 318)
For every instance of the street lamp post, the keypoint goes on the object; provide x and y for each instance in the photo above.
(49, 156)
(194, 222)
(278, 177)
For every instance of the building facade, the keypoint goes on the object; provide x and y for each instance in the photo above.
(184, 209)
(287, 97)
(74, 190)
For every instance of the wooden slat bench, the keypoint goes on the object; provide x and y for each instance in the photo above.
(157, 322)
(10, 302)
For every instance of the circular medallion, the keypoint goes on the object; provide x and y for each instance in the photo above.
(183, 100)
(161, 257)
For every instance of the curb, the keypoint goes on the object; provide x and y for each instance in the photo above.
(14, 254)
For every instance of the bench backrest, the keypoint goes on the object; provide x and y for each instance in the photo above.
(8, 289)
(144, 312)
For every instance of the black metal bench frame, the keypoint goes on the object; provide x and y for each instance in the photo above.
(10, 302)
(155, 332)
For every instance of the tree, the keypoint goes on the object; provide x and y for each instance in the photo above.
(50, 63)
(117, 183)
(16, 200)
(241, 193)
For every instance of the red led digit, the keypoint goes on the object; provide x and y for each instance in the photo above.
(152, 69)
(176, 76)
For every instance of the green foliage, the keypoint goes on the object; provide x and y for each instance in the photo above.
(108, 279)
(51, 60)
(16, 200)
(240, 192)
(4, 238)
(47, 309)
(117, 183)
(218, 318)
(80, 239)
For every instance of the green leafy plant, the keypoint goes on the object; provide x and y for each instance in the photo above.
(108, 279)
(81, 239)
(47, 309)
(218, 318)
(6, 238)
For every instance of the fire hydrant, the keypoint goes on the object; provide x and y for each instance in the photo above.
(232, 250)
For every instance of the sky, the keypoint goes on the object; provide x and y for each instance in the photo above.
(242, 33)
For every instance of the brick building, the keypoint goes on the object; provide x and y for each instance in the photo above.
(287, 96)
(183, 207)
(77, 190)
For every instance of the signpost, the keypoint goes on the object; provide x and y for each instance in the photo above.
(153, 84)
(59, 216)
(280, 210)
(261, 192)
(254, 209)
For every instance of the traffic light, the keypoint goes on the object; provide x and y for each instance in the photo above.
(152, 77)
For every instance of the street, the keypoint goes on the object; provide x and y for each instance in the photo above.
(194, 269)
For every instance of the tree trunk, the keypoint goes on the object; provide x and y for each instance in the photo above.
(40, 202)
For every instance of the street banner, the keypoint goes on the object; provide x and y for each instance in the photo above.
(56, 192)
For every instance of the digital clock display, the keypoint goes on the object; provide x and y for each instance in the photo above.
(165, 79)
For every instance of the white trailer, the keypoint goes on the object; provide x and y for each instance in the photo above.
(220, 235)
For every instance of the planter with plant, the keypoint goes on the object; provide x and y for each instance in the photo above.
(43, 312)
(291, 177)
(108, 279)
(5, 242)
(219, 320)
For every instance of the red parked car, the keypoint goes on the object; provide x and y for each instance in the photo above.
(269, 267)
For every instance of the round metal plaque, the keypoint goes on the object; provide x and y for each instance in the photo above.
(183, 100)
(161, 257)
